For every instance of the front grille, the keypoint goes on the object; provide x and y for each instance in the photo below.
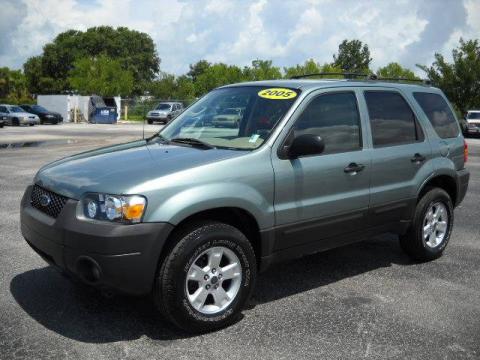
(52, 207)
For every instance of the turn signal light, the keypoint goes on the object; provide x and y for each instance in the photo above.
(465, 151)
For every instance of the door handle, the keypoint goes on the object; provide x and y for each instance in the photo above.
(417, 158)
(354, 168)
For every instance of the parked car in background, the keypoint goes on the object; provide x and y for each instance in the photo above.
(45, 115)
(164, 112)
(2, 121)
(472, 126)
(228, 118)
(16, 116)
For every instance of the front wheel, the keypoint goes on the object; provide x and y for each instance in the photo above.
(207, 278)
(431, 228)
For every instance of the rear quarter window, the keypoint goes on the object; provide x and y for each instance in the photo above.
(438, 113)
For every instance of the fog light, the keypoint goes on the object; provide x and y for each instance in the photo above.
(92, 209)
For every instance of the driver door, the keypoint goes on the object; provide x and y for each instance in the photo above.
(319, 197)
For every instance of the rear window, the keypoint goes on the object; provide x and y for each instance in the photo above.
(439, 114)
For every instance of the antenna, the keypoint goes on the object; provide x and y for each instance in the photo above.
(143, 127)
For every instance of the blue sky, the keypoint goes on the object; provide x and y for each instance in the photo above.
(236, 32)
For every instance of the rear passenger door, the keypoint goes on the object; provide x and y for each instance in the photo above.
(400, 155)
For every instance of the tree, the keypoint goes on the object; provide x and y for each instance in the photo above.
(261, 70)
(312, 67)
(217, 75)
(353, 56)
(135, 51)
(102, 76)
(395, 70)
(459, 80)
(198, 69)
(13, 86)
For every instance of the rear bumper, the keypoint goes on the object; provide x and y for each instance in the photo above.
(110, 256)
(463, 176)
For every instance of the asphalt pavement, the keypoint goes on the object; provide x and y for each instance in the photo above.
(365, 300)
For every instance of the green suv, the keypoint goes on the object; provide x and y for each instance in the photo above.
(195, 212)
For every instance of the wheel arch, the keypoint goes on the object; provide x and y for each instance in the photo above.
(446, 182)
(237, 217)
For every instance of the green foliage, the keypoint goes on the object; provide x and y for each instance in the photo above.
(312, 67)
(102, 76)
(353, 56)
(135, 51)
(261, 70)
(13, 86)
(395, 70)
(459, 80)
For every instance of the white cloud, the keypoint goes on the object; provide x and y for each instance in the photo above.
(234, 31)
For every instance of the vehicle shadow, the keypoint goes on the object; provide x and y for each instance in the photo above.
(81, 313)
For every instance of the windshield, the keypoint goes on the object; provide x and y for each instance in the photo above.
(258, 110)
(16, 109)
(473, 115)
(39, 108)
(163, 107)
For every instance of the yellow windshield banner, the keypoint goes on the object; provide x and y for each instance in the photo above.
(277, 94)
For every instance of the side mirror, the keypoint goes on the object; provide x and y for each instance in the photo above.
(307, 144)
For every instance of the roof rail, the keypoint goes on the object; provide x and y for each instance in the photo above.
(372, 77)
(344, 74)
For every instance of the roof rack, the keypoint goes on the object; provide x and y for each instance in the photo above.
(373, 77)
(344, 74)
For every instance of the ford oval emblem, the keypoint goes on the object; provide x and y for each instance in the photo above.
(45, 200)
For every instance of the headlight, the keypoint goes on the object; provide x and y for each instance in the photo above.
(115, 208)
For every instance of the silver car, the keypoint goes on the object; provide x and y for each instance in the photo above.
(164, 112)
(16, 116)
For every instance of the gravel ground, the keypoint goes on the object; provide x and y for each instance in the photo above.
(366, 300)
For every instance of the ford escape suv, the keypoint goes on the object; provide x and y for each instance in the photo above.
(194, 213)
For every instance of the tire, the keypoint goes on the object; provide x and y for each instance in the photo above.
(31, 124)
(414, 242)
(15, 122)
(194, 244)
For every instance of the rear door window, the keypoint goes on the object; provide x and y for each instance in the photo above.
(439, 114)
(391, 118)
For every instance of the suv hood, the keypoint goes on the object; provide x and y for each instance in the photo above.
(116, 169)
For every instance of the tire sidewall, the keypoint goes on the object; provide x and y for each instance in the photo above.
(434, 196)
(198, 241)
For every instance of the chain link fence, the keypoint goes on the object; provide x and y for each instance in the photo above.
(136, 109)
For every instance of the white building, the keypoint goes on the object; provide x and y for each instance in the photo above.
(65, 105)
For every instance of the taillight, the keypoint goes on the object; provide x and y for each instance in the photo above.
(465, 151)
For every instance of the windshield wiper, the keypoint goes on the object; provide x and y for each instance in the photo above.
(193, 142)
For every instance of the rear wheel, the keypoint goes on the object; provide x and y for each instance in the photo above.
(31, 124)
(432, 226)
(150, 122)
(206, 279)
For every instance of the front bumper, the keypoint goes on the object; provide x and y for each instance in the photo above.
(159, 119)
(27, 121)
(110, 256)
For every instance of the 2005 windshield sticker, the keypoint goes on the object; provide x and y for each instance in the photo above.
(277, 94)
